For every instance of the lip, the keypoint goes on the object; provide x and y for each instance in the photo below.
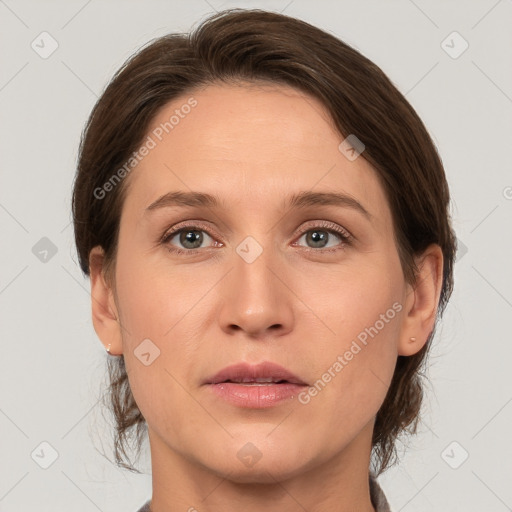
(238, 384)
(243, 372)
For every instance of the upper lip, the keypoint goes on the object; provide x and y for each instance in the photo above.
(245, 372)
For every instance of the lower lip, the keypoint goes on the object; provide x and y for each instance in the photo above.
(255, 396)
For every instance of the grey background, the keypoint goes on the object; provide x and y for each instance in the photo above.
(52, 367)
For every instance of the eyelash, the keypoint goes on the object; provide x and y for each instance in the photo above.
(329, 227)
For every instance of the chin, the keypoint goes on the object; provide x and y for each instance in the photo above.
(261, 473)
(259, 461)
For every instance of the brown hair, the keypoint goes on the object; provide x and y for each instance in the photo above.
(236, 46)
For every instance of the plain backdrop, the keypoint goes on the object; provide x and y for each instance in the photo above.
(52, 365)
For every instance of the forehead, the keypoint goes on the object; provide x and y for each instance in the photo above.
(244, 123)
(246, 142)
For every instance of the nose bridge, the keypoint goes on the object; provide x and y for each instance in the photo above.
(255, 298)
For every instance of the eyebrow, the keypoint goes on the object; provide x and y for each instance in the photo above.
(295, 201)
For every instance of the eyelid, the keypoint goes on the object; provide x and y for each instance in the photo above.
(187, 225)
(328, 225)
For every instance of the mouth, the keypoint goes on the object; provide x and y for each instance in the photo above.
(256, 382)
(263, 374)
(255, 387)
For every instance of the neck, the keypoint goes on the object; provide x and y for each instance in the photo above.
(339, 483)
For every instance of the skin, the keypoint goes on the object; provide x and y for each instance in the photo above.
(252, 146)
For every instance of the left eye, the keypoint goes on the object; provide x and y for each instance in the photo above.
(319, 237)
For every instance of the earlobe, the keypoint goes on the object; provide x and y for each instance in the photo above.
(104, 311)
(422, 302)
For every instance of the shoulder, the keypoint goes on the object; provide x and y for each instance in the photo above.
(145, 507)
(377, 496)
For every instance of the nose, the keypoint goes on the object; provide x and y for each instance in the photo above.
(256, 298)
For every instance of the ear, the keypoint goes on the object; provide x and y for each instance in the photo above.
(104, 310)
(421, 302)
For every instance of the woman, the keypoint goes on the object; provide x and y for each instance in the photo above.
(265, 222)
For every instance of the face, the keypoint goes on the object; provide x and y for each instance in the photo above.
(313, 285)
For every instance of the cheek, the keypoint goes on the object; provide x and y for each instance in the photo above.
(153, 305)
(355, 302)
(150, 301)
(354, 361)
